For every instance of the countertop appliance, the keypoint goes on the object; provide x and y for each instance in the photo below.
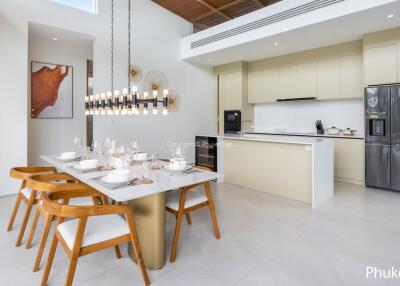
(382, 137)
(320, 127)
(232, 121)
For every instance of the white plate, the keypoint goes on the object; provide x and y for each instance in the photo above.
(114, 180)
(79, 168)
(167, 167)
(67, 159)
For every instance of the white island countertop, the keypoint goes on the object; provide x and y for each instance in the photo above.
(275, 138)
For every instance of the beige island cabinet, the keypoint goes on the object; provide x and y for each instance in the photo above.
(298, 168)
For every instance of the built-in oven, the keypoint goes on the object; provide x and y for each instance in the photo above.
(232, 121)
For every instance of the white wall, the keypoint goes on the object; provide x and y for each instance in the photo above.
(156, 46)
(301, 116)
(13, 109)
(52, 136)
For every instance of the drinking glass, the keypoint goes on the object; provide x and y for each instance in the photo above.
(154, 161)
(86, 152)
(95, 146)
(107, 145)
(78, 142)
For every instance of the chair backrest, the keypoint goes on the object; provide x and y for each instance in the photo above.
(23, 173)
(54, 182)
(50, 203)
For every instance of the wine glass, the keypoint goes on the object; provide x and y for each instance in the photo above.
(177, 156)
(78, 142)
(134, 146)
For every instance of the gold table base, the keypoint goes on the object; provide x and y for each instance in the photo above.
(149, 214)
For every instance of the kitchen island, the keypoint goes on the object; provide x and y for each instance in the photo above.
(299, 168)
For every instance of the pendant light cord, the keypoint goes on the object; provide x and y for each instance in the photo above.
(129, 46)
(112, 45)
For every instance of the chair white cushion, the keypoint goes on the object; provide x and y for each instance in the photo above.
(27, 193)
(85, 201)
(194, 197)
(98, 229)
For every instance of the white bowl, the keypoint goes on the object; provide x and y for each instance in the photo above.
(177, 165)
(119, 174)
(88, 164)
(140, 157)
(68, 155)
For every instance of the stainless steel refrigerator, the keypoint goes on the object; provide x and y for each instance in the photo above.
(382, 137)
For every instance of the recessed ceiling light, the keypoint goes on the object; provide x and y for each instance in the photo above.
(390, 16)
(276, 44)
(54, 39)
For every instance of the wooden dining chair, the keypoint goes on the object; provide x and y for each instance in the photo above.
(48, 183)
(89, 229)
(184, 201)
(25, 195)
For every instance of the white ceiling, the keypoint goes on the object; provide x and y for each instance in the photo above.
(45, 34)
(343, 29)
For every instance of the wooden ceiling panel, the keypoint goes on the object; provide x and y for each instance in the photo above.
(207, 13)
(243, 8)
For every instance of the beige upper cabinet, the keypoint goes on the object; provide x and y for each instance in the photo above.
(328, 82)
(307, 80)
(230, 90)
(287, 82)
(263, 85)
(381, 65)
(351, 79)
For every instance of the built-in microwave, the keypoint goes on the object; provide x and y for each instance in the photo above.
(232, 121)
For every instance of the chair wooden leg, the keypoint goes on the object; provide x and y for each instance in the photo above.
(182, 200)
(212, 210)
(188, 218)
(50, 259)
(117, 251)
(137, 248)
(43, 239)
(33, 227)
(26, 218)
(75, 251)
(71, 269)
(15, 211)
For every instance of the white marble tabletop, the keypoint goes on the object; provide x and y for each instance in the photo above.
(163, 180)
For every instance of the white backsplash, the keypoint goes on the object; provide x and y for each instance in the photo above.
(301, 116)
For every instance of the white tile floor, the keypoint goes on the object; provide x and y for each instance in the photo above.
(266, 240)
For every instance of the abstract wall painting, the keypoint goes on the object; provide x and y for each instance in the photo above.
(51, 90)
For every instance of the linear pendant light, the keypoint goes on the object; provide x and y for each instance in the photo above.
(129, 101)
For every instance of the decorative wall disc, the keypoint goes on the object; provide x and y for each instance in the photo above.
(155, 80)
(136, 74)
(174, 101)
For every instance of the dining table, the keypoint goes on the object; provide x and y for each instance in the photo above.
(146, 198)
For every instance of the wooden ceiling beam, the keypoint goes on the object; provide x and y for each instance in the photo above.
(215, 10)
(223, 7)
(258, 3)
